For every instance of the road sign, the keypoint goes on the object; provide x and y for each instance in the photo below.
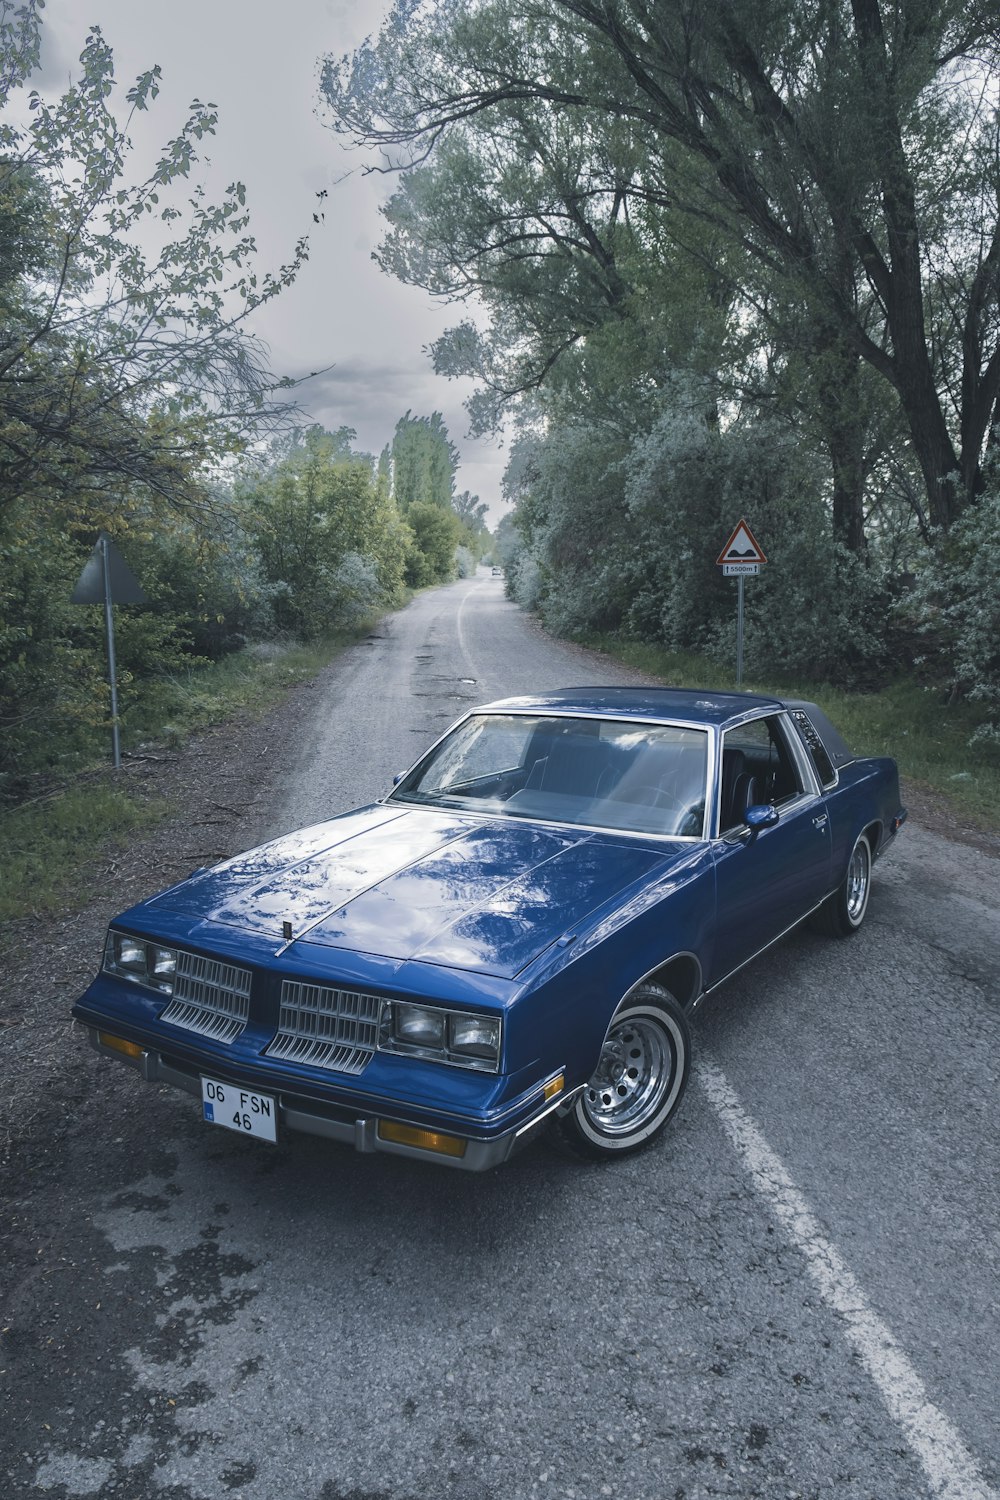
(740, 558)
(122, 585)
(742, 548)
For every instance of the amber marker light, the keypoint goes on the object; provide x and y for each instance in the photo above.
(119, 1044)
(554, 1086)
(426, 1140)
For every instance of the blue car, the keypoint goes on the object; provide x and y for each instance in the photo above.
(514, 938)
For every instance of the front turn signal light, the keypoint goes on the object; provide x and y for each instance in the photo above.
(424, 1140)
(119, 1044)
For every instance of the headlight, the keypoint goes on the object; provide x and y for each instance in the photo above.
(474, 1036)
(144, 963)
(457, 1037)
(419, 1026)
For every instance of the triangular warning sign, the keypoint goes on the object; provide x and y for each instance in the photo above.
(742, 547)
(123, 586)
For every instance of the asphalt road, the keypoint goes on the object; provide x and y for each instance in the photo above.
(794, 1294)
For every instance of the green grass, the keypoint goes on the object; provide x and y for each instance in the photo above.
(42, 844)
(167, 709)
(929, 738)
(48, 841)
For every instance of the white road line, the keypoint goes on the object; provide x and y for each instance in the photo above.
(477, 584)
(951, 1470)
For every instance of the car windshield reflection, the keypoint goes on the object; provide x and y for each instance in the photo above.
(605, 773)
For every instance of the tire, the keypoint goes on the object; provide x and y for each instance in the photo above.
(638, 1082)
(842, 914)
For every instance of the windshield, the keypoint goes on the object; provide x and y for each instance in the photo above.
(646, 778)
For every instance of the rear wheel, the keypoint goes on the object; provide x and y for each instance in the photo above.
(640, 1077)
(843, 913)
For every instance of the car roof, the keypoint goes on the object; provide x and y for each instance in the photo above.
(693, 705)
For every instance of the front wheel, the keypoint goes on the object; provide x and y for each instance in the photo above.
(640, 1077)
(843, 913)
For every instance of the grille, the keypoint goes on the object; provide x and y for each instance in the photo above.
(327, 1028)
(211, 998)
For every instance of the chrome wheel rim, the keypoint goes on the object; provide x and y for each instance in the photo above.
(857, 883)
(631, 1079)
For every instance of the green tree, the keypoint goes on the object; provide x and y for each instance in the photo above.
(330, 540)
(120, 366)
(437, 532)
(471, 513)
(424, 461)
(849, 151)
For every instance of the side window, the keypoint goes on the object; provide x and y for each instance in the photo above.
(757, 766)
(817, 750)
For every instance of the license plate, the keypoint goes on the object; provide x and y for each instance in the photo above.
(240, 1109)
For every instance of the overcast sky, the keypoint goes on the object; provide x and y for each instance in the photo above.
(259, 63)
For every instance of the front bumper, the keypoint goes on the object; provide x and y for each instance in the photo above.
(349, 1127)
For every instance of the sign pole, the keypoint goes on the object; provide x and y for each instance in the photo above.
(739, 632)
(740, 558)
(107, 579)
(109, 627)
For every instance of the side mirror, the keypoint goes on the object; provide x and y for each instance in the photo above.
(760, 815)
(398, 777)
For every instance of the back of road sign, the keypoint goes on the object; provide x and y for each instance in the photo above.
(124, 587)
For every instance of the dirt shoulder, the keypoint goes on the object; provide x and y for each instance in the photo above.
(223, 786)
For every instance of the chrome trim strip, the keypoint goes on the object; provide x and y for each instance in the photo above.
(790, 928)
(553, 1105)
(693, 957)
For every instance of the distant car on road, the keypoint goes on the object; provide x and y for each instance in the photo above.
(497, 572)
(514, 937)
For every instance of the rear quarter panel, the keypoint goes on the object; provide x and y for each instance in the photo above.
(866, 794)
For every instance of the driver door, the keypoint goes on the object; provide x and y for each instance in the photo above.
(767, 881)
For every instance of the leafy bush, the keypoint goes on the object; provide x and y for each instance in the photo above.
(436, 533)
(53, 694)
(623, 534)
(465, 562)
(816, 611)
(954, 610)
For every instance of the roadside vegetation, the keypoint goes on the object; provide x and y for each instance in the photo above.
(136, 402)
(47, 838)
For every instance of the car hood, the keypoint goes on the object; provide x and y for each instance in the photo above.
(415, 884)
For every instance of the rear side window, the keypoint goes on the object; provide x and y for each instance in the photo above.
(817, 750)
